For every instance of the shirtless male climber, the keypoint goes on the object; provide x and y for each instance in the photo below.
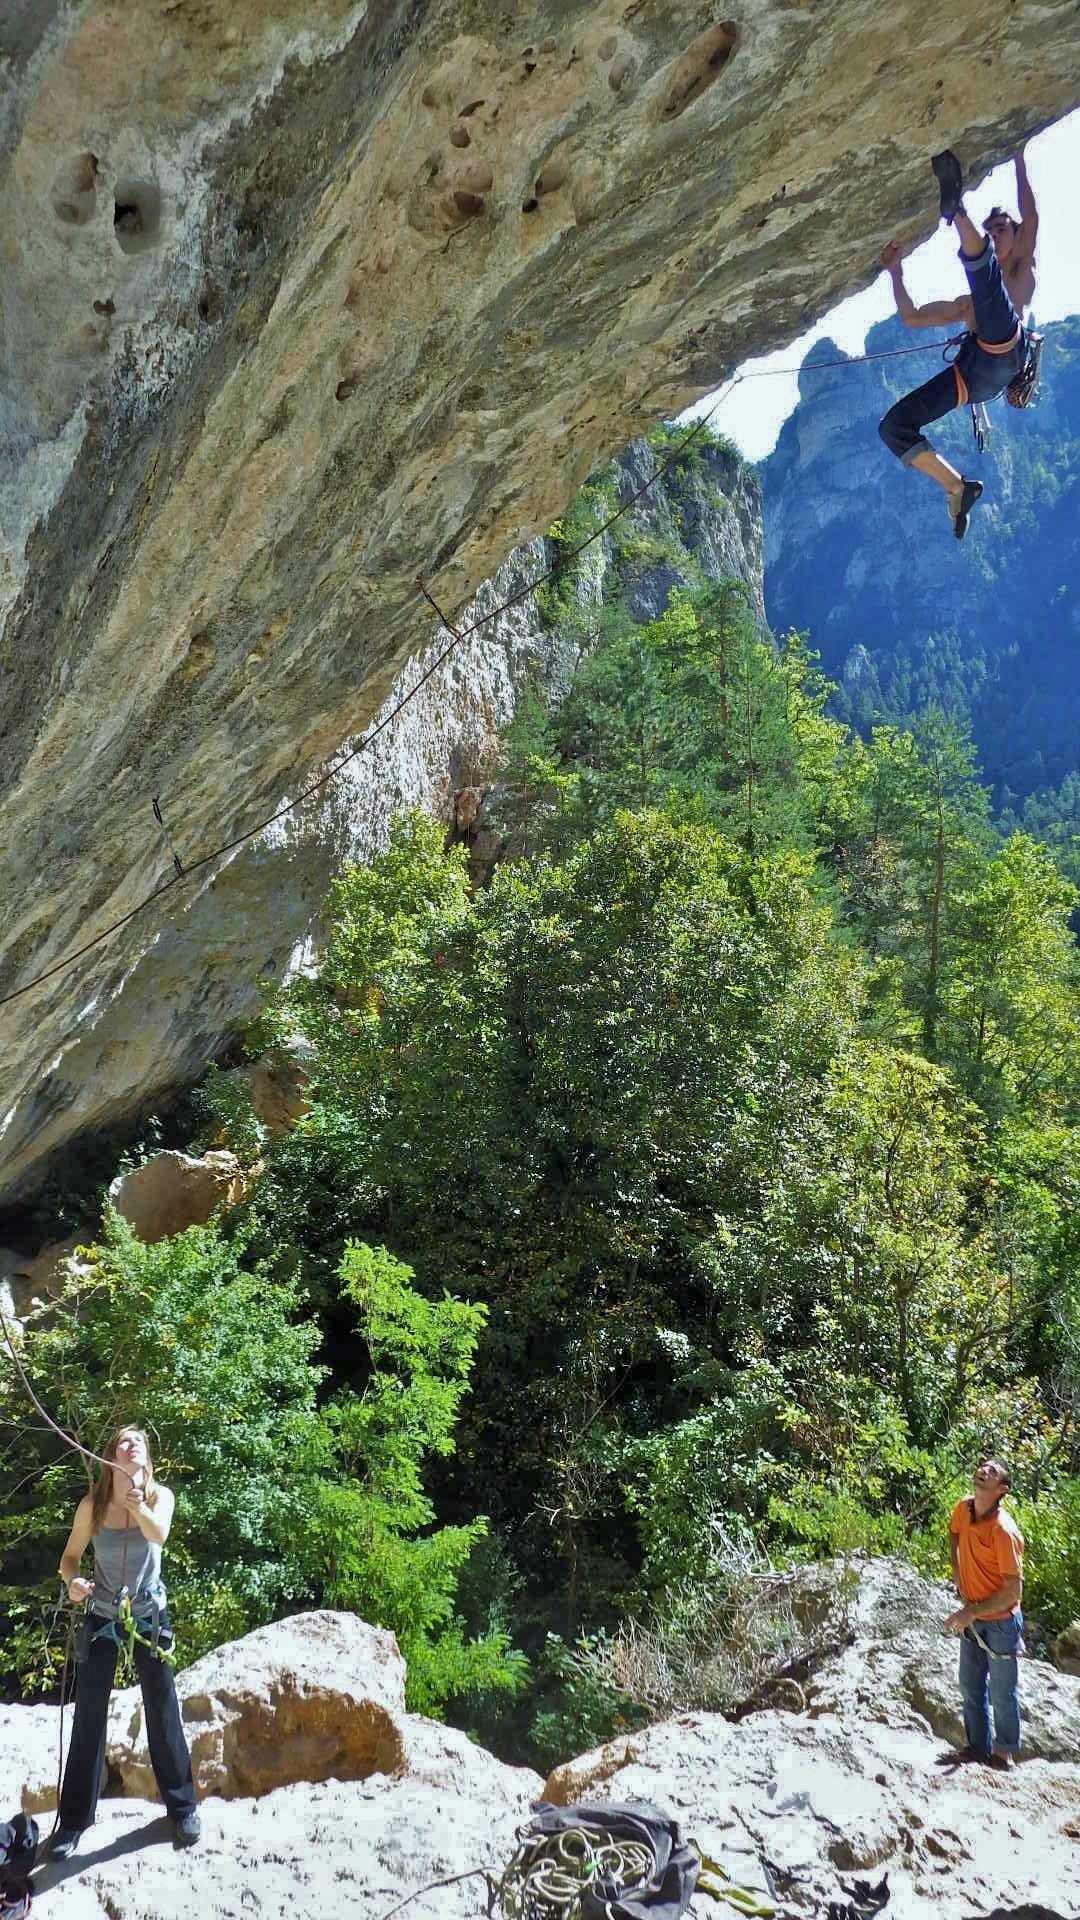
(1000, 267)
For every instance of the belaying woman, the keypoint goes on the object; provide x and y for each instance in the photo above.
(126, 1521)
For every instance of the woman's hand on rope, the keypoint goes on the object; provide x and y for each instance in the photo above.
(79, 1590)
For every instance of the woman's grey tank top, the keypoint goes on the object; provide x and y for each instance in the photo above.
(139, 1571)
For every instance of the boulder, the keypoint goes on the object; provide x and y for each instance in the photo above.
(902, 1668)
(172, 1191)
(1066, 1649)
(277, 1085)
(29, 1758)
(322, 1795)
(319, 1696)
(30, 1281)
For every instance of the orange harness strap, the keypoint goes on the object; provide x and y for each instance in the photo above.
(1000, 346)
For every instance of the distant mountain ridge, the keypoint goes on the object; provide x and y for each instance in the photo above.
(860, 552)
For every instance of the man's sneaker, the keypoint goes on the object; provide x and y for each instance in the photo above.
(969, 493)
(1002, 1762)
(950, 181)
(187, 1829)
(64, 1842)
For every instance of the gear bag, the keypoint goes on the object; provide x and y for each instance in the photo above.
(18, 1851)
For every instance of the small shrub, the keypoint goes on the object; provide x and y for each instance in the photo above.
(720, 1643)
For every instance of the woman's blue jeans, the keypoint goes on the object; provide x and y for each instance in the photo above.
(988, 1684)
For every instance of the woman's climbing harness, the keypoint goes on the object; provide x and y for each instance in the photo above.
(126, 1632)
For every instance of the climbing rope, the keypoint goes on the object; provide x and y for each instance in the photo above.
(548, 1873)
(182, 872)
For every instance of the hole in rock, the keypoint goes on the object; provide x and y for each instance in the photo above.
(468, 203)
(530, 205)
(470, 107)
(137, 215)
(459, 136)
(106, 307)
(699, 66)
(74, 193)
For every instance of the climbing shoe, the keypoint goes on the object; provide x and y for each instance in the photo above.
(950, 181)
(64, 1842)
(1002, 1762)
(969, 493)
(187, 1829)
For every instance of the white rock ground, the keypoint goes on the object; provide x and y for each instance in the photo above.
(783, 1800)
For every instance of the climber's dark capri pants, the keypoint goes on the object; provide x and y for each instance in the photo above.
(976, 374)
(164, 1731)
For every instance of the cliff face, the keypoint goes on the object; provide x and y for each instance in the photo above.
(298, 300)
(187, 993)
(861, 553)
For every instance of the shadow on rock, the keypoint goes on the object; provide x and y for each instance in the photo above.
(53, 1873)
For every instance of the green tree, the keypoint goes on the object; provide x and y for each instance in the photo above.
(187, 1340)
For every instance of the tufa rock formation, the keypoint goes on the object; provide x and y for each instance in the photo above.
(300, 300)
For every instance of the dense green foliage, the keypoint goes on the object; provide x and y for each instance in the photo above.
(704, 1185)
(281, 1502)
(744, 1100)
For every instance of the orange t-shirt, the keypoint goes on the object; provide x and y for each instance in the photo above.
(989, 1552)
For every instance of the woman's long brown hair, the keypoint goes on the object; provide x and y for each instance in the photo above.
(103, 1490)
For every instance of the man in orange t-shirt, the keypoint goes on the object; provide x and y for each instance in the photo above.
(987, 1550)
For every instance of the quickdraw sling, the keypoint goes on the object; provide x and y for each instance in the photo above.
(1023, 388)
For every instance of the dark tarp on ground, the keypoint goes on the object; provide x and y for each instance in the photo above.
(667, 1894)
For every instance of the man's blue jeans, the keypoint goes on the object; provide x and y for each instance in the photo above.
(987, 1683)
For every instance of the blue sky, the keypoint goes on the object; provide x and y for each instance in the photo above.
(755, 411)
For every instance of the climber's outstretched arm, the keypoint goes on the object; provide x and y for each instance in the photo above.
(934, 313)
(1028, 231)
